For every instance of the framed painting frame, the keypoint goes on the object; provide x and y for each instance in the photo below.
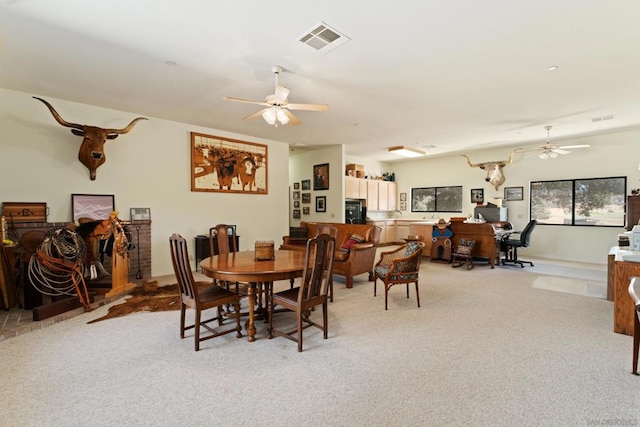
(216, 161)
(321, 176)
(305, 210)
(140, 214)
(321, 203)
(513, 193)
(296, 185)
(306, 197)
(306, 184)
(94, 206)
(437, 199)
(477, 195)
(296, 213)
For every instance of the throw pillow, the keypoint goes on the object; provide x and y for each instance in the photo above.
(352, 240)
(411, 248)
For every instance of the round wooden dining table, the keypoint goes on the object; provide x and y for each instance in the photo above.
(244, 267)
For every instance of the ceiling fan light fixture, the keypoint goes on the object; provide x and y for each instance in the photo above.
(406, 151)
(269, 116)
(281, 116)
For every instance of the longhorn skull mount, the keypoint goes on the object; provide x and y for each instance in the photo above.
(495, 175)
(91, 152)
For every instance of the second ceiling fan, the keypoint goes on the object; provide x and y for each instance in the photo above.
(551, 151)
(277, 106)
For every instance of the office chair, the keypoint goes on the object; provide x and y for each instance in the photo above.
(510, 245)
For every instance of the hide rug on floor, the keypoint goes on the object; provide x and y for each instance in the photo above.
(149, 297)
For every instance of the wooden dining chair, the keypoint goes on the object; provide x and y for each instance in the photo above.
(333, 232)
(634, 292)
(400, 266)
(312, 291)
(223, 240)
(200, 299)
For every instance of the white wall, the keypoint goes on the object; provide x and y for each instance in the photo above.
(148, 167)
(614, 154)
(301, 168)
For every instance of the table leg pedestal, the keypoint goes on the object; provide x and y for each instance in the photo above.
(250, 325)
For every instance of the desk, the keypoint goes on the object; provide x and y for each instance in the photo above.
(621, 272)
(243, 267)
(487, 240)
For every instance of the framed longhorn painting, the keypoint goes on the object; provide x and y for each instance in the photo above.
(228, 165)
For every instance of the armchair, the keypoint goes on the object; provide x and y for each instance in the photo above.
(510, 245)
(399, 266)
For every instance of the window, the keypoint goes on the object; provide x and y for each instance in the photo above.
(436, 199)
(590, 201)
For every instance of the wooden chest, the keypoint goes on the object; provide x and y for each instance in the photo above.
(265, 250)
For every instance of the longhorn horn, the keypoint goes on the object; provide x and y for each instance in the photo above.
(65, 123)
(59, 119)
(473, 165)
(508, 162)
(126, 129)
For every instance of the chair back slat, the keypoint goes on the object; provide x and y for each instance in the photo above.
(219, 238)
(181, 267)
(318, 267)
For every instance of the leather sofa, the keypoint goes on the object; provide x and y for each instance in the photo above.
(359, 259)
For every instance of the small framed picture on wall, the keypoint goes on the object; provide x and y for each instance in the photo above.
(477, 195)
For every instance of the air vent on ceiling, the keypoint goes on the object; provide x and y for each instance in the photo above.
(603, 118)
(323, 38)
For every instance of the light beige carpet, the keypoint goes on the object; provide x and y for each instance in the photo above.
(569, 285)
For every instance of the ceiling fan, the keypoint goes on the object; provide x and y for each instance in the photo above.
(551, 151)
(277, 105)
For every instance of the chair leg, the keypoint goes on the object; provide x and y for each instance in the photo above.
(299, 332)
(196, 334)
(386, 295)
(375, 282)
(417, 294)
(325, 321)
(238, 327)
(331, 288)
(183, 310)
(407, 290)
(636, 343)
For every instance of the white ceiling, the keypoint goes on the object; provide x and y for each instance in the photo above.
(459, 74)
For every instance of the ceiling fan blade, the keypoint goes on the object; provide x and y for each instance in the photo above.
(575, 146)
(560, 151)
(293, 120)
(281, 94)
(255, 115)
(246, 101)
(307, 107)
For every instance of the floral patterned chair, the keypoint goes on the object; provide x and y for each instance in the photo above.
(399, 266)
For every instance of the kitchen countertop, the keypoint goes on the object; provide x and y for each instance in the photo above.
(406, 220)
